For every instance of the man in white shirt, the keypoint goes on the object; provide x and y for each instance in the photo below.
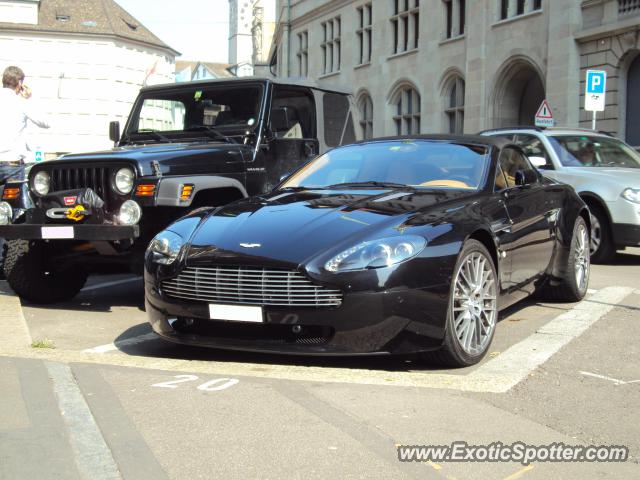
(15, 112)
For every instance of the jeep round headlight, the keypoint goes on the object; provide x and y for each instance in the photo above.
(41, 183)
(130, 213)
(6, 213)
(124, 181)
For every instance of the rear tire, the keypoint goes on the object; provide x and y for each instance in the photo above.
(575, 281)
(30, 275)
(472, 314)
(602, 248)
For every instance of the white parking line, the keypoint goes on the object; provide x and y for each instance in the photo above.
(92, 455)
(110, 347)
(610, 379)
(111, 284)
(513, 365)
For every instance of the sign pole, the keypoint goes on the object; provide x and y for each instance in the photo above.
(593, 123)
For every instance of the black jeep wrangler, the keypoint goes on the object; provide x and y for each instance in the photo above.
(184, 146)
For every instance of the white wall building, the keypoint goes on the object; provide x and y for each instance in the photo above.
(85, 61)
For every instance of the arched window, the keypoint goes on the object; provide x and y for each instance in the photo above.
(407, 108)
(454, 106)
(365, 105)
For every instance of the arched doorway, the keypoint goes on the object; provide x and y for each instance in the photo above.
(519, 93)
(633, 103)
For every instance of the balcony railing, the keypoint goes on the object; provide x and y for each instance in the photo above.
(627, 7)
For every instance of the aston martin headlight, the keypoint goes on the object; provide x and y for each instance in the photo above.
(6, 213)
(124, 181)
(165, 247)
(130, 213)
(41, 183)
(632, 194)
(376, 253)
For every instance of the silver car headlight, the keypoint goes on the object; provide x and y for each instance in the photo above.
(632, 194)
(123, 181)
(6, 213)
(377, 253)
(165, 247)
(41, 183)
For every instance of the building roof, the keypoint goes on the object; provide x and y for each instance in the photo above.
(218, 69)
(89, 17)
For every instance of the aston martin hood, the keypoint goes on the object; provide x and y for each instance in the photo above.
(292, 227)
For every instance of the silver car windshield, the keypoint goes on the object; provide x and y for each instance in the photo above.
(592, 151)
(415, 163)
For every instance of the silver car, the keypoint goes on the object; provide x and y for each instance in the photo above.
(603, 170)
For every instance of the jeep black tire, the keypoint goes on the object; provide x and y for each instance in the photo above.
(32, 277)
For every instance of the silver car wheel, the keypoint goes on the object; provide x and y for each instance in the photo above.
(596, 234)
(475, 306)
(582, 257)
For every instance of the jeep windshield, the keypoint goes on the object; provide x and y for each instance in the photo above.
(594, 151)
(219, 112)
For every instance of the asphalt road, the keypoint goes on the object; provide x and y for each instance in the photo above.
(106, 399)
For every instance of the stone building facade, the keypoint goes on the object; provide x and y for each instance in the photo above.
(465, 65)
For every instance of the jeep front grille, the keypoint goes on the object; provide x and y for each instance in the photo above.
(249, 286)
(68, 178)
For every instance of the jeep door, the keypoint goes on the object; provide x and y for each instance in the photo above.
(290, 139)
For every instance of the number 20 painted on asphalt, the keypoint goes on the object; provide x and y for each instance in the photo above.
(215, 385)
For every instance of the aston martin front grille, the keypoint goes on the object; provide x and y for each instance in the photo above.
(249, 286)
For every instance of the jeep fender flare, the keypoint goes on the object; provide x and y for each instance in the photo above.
(169, 188)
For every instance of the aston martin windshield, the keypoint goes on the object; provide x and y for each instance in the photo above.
(221, 112)
(590, 151)
(392, 164)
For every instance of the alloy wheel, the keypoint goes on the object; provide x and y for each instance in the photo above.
(582, 257)
(475, 308)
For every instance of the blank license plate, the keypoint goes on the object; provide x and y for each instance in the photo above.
(57, 232)
(236, 313)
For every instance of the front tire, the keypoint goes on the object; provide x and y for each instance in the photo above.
(32, 277)
(473, 309)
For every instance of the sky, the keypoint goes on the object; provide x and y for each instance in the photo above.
(198, 29)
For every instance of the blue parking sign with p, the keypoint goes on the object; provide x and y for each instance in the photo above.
(596, 81)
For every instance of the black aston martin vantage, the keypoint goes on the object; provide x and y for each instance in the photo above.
(389, 246)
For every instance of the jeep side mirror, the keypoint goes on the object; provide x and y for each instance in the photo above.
(114, 131)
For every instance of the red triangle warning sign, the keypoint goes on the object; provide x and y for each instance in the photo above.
(544, 112)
